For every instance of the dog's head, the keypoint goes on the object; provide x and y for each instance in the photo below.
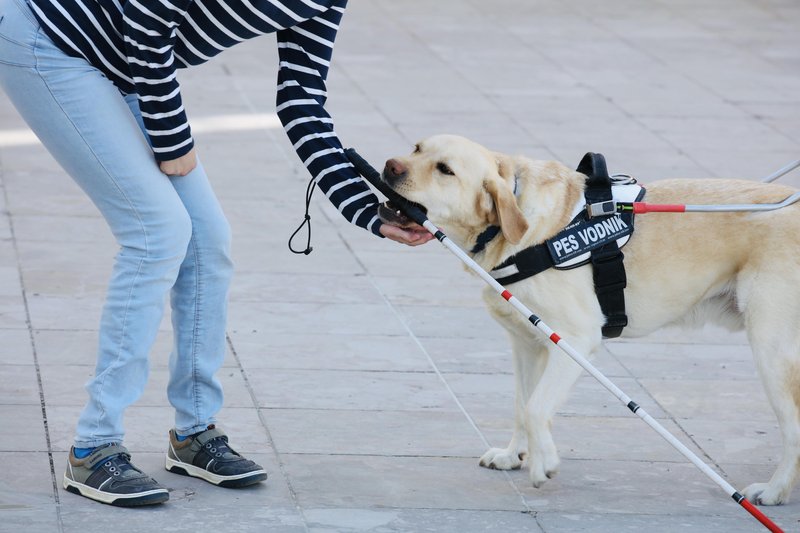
(462, 185)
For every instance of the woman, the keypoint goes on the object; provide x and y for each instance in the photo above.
(95, 80)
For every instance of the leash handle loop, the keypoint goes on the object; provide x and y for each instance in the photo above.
(306, 220)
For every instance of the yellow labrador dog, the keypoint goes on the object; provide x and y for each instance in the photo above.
(740, 270)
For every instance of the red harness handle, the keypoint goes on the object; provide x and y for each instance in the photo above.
(644, 207)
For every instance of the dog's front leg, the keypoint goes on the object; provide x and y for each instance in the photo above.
(529, 363)
(560, 374)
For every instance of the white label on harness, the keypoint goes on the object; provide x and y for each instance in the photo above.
(586, 235)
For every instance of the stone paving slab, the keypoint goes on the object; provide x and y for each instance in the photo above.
(367, 377)
(387, 433)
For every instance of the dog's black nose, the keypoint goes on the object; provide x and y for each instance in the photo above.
(394, 171)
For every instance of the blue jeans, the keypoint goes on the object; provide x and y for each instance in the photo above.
(171, 232)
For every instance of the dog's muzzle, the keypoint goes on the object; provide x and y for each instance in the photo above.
(393, 172)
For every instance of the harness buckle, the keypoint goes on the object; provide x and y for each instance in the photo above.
(601, 209)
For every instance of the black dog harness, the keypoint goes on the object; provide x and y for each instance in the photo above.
(594, 235)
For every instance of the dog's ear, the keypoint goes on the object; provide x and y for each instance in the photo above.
(505, 166)
(512, 221)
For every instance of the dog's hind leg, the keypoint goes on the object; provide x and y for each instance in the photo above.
(557, 380)
(772, 317)
(529, 362)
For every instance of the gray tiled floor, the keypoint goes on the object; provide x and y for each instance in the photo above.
(367, 377)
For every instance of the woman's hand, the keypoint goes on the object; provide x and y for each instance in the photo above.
(181, 166)
(413, 236)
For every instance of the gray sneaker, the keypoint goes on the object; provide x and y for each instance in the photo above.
(206, 455)
(108, 476)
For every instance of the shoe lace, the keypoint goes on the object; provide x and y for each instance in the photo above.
(218, 447)
(120, 466)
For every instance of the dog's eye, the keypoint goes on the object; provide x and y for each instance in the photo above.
(417, 149)
(444, 169)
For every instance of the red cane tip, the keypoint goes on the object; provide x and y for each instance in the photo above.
(761, 517)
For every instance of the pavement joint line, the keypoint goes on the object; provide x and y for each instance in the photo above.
(401, 319)
(289, 158)
(747, 50)
(275, 452)
(675, 420)
(29, 328)
(625, 112)
(387, 455)
(621, 416)
(375, 106)
(679, 151)
(633, 117)
(511, 117)
(450, 391)
(434, 456)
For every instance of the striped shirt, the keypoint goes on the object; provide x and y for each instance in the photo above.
(139, 44)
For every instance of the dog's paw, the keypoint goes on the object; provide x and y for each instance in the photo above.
(543, 468)
(762, 494)
(539, 474)
(501, 459)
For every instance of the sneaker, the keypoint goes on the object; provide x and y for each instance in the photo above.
(108, 476)
(207, 455)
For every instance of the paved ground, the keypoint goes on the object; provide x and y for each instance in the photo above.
(367, 377)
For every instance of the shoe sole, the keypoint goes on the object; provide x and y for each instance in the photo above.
(239, 480)
(150, 497)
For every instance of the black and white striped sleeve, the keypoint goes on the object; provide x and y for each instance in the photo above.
(149, 31)
(305, 51)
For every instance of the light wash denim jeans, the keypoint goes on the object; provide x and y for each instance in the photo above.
(171, 231)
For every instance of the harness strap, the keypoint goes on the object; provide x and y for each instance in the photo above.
(608, 270)
(485, 238)
(527, 263)
(492, 231)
